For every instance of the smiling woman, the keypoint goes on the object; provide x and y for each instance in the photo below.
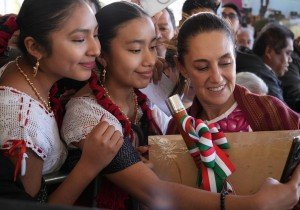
(128, 42)
(58, 38)
(211, 70)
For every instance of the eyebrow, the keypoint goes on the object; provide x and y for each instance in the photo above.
(225, 56)
(205, 60)
(82, 30)
(140, 41)
(163, 24)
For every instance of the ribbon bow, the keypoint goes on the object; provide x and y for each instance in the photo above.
(214, 164)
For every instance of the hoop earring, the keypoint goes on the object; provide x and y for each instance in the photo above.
(36, 67)
(103, 76)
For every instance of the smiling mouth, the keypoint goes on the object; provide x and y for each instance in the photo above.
(89, 65)
(216, 89)
(147, 74)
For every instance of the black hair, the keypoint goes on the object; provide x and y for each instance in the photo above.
(235, 8)
(190, 5)
(37, 19)
(172, 18)
(111, 17)
(200, 23)
(274, 36)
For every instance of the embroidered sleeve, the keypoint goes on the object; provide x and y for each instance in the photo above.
(82, 115)
(26, 124)
(18, 123)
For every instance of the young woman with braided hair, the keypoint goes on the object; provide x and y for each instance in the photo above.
(58, 38)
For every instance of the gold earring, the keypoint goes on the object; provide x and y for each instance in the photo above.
(36, 67)
(187, 83)
(103, 76)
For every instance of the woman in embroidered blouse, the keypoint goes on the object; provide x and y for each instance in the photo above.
(211, 69)
(58, 38)
(129, 39)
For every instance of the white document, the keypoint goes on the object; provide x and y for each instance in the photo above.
(154, 6)
(159, 93)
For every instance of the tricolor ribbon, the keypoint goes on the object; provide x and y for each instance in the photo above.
(214, 164)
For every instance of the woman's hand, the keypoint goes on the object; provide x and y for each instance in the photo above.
(101, 146)
(274, 195)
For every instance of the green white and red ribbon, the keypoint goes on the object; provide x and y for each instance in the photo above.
(214, 164)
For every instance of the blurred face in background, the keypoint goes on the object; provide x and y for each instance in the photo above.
(166, 30)
(244, 39)
(279, 62)
(231, 16)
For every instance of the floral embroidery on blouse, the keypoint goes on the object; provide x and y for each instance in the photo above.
(233, 120)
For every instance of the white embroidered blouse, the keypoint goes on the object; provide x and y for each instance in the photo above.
(82, 115)
(24, 118)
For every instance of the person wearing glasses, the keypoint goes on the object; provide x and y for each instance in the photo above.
(232, 14)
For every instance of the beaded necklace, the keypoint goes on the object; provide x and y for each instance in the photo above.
(46, 104)
(135, 121)
(110, 106)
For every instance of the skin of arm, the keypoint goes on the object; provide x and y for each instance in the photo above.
(144, 185)
(102, 145)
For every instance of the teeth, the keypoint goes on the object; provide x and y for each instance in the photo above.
(217, 88)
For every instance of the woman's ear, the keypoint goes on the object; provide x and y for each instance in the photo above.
(33, 48)
(180, 67)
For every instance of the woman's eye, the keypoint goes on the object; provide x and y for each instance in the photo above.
(153, 47)
(78, 40)
(202, 68)
(225, 64)
(135, 51)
